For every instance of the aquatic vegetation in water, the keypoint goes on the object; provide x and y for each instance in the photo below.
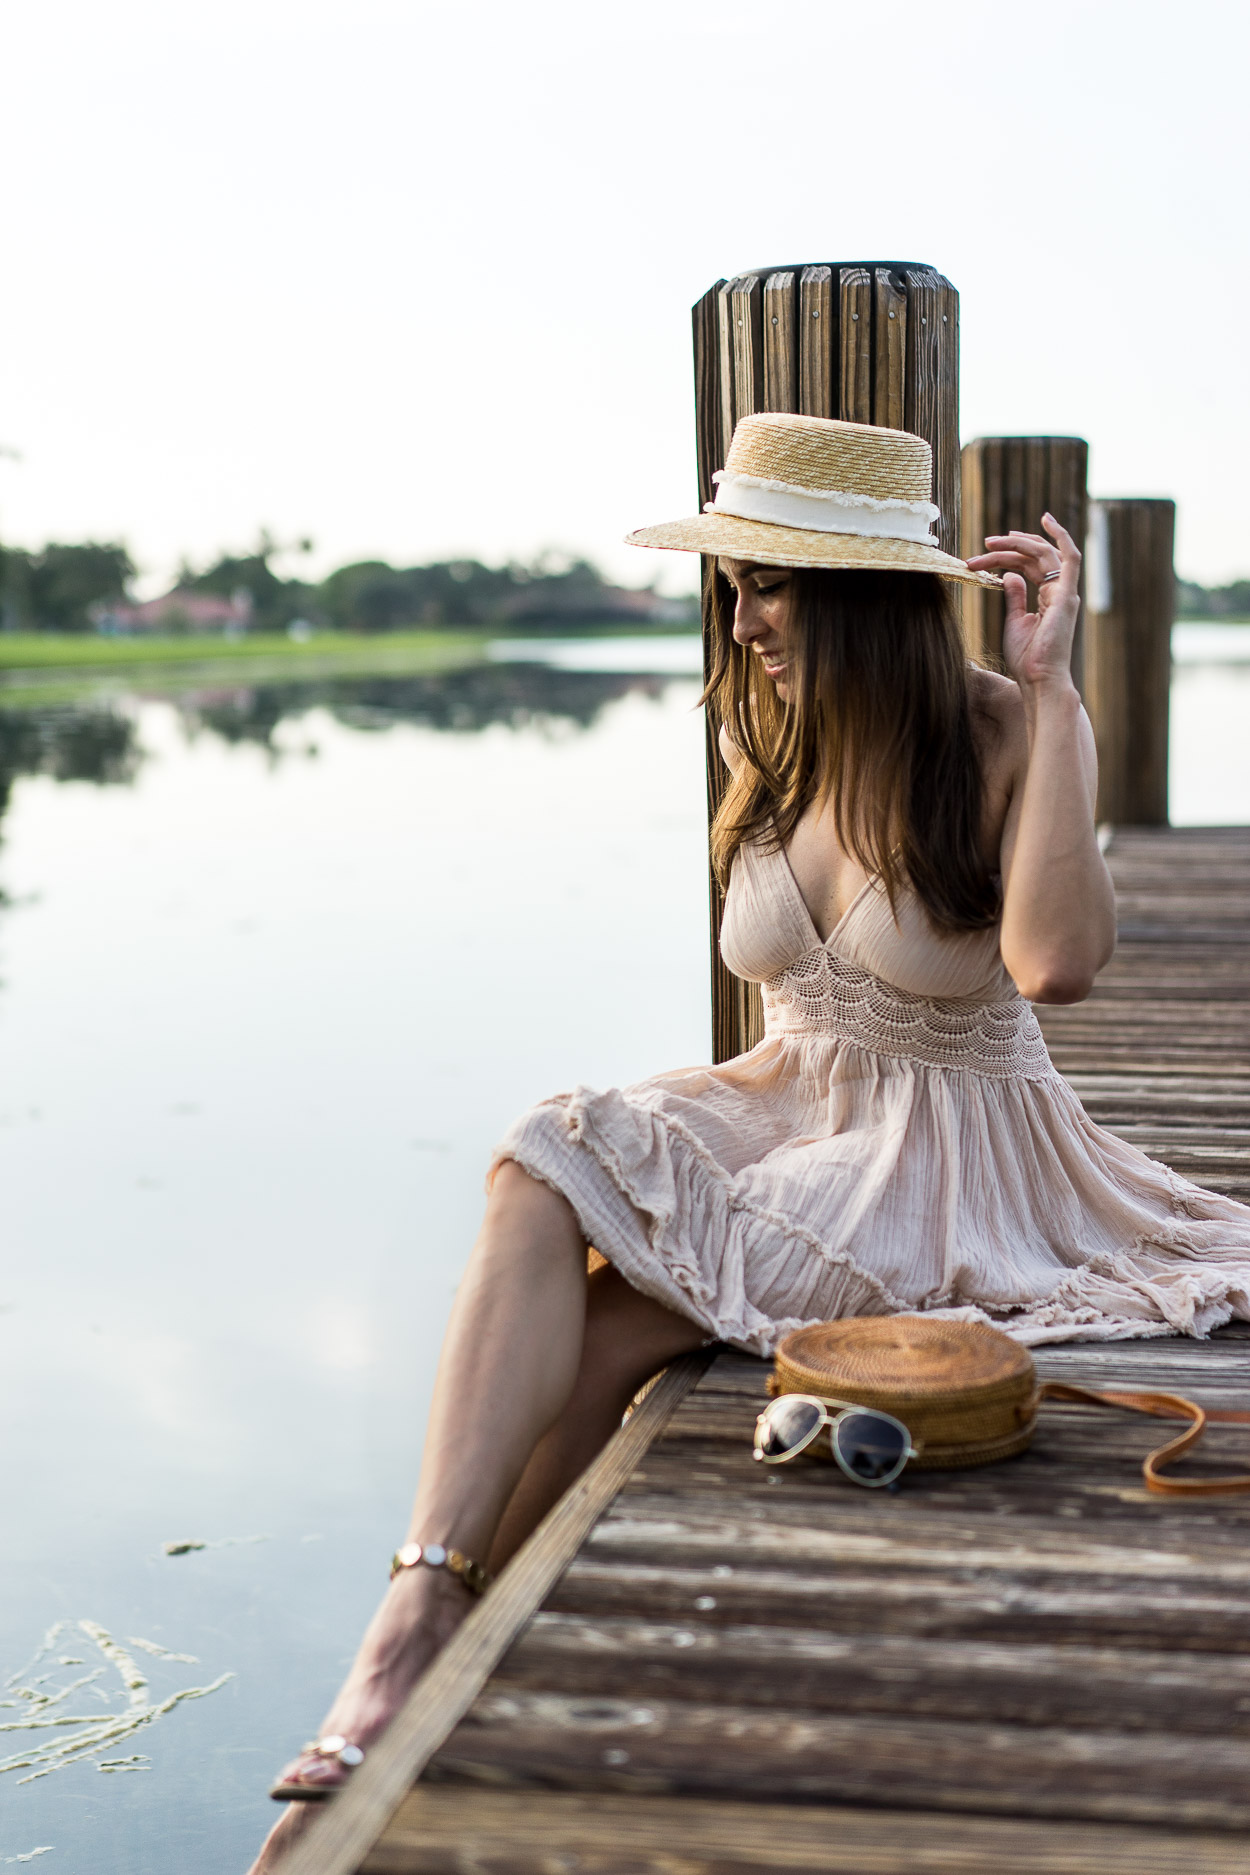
(185, 1545)
(54, 1733)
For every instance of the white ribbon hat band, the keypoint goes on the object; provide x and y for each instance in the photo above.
(821, 511)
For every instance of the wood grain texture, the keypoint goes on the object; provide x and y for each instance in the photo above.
(746, 300)
(975, 523)
(781, 339)
(350, 1822)
(1035, 483)
(448, 1831)
(725, 366)
(1129, 659)
(921, 411)
(889, 344)
(818, 343)
(553, 1741)
(972, 503)
(1108, 1688)
(1068, 501)
(935, 1604)
(932, 387)
(855, 345)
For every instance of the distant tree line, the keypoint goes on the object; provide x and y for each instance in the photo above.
(51, 589)
(1215, 602)
(67, 588)
(71, 588)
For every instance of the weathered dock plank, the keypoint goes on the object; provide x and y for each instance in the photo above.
(1036, 1666)
(773, 1667)
(598, 1833)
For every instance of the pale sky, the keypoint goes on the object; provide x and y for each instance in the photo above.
(415, 280)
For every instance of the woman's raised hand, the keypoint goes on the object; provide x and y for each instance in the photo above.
(1037, 646)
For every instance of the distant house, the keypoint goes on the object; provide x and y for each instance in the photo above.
(177, 611)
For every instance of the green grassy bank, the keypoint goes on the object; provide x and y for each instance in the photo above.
(56, 651)
(49, 668)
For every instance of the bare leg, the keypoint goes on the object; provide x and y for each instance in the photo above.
(628, 1338)
(521, 1348)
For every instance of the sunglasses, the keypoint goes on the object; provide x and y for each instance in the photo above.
(871, 1447)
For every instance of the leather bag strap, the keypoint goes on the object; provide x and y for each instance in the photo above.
(1164, 1406)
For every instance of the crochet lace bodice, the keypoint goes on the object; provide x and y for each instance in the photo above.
(885, 979)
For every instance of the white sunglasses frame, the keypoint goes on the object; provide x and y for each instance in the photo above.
(844, 1407)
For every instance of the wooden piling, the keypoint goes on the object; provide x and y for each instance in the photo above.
(1010, 482)
(1131, 596)
(866, 341)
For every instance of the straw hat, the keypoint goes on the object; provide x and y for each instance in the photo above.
(809, 491)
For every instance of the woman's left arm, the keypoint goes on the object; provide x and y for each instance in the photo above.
(1058, 902)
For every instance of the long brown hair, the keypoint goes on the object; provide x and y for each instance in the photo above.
(878, 722)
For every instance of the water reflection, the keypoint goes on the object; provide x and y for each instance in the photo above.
(473, 698)
(98, 741)
(70, 742)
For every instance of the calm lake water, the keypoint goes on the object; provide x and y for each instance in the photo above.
(277, 966)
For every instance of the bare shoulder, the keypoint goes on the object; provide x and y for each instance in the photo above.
(997, 720)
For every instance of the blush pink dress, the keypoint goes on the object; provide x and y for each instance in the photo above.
(898, 1141)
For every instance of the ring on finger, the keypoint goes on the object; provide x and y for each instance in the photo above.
(1051, 575)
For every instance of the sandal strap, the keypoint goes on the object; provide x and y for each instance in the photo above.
(437, 1556)
(334, 1745)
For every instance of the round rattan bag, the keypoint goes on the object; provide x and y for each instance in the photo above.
(967, 1393)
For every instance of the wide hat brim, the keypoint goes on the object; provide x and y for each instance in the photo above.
(767, 543)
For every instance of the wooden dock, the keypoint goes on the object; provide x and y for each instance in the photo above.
(701, 1667)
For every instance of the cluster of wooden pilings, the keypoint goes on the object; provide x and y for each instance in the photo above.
(878, 342)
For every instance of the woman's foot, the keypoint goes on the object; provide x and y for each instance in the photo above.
(419, 1614)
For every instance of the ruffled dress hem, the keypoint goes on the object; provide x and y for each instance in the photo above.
(601, 1151)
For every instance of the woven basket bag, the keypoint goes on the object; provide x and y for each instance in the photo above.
(967, 1393)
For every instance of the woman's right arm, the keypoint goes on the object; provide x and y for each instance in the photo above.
(1058, 926)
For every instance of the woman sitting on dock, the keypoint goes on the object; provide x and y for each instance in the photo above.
(910, 854)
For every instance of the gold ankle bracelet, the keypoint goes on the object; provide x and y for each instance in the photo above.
(436, 1556)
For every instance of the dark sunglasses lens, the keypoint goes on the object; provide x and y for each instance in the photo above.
(786, 1424)
(869, 1446)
